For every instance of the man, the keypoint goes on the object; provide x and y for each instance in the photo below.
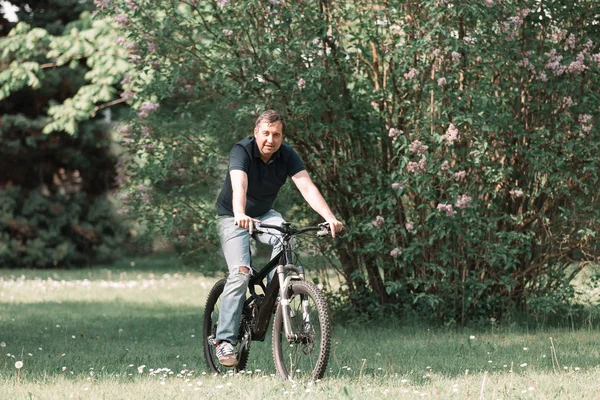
(258, 166)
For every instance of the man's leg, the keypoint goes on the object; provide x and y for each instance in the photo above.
(235, 243)
(272, 237)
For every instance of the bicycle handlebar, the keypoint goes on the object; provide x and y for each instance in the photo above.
(322, 229)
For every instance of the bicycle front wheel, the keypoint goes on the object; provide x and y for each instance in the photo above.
(306, 355)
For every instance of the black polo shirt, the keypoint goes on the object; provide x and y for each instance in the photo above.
(264, 179)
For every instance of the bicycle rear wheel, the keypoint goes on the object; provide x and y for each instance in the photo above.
(209, 331)
(306, 356)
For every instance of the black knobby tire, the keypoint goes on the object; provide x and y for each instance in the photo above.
(306, 357)
(209, 328)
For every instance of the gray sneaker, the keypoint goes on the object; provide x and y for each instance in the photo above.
(226, 354)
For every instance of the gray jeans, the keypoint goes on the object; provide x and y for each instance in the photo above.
(235, 243)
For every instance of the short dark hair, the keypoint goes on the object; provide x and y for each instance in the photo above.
(270, 117)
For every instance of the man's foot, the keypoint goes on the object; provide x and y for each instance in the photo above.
(226, 354)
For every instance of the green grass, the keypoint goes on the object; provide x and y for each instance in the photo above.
(87, 333)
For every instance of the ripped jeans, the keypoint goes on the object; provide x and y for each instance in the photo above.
(235, 243)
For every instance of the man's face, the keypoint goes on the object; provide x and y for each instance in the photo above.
(268, 138)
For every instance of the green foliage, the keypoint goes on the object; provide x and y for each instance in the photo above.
(458, 141)
(91, 41)
(44, 231)
(57, 159)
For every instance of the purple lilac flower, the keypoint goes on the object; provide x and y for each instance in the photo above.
(442, 81)
(125, 130)
(489, 3)
(524, 12)
(223, 3)
(147, 108)
(596, 58)
(417, 167)
(451, 134)
(570, 42)
(463, 201)
(543, 77)
(577, 66)
(468, 40)
(567, 102)
(378, 223)
(396, 252)
(394, 133)
(411, 74)
(445, 166)
(301, 83)
(127, 95)
(525, 63)
(397, 185)
(447, 208)
(561, 35)
(417, 147)
(120, 41)
(227, 32)
(456, 56)
(146, 131)
(516, 21)
(122, 20)
(584, 120)
(409, 227)
(516, 192)
(101, 3)
(126, 80)
(460, 175)
(553, 64)
(436, 52)
(423, 164)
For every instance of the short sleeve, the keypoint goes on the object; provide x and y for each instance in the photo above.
(239, 159)
(294, 164)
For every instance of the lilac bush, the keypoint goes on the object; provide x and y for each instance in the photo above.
(457, 140)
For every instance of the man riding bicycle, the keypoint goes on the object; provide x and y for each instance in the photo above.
(258, 166)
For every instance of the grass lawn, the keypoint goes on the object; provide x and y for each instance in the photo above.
(134, 332)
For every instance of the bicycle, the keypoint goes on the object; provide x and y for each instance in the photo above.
(301, 338)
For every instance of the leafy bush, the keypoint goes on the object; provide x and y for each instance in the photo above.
(57, 157)
(57, 231)
(457, 140)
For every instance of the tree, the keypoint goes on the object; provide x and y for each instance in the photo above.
(456, 139)
(57, 157)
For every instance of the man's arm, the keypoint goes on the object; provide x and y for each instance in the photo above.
(239, 186)
(314, 198)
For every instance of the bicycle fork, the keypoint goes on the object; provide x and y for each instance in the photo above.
(285, 279)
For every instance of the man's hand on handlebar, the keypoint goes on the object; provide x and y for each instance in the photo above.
(335, 226)
(245, 222)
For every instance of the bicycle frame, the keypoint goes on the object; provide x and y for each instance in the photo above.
(282, 262)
